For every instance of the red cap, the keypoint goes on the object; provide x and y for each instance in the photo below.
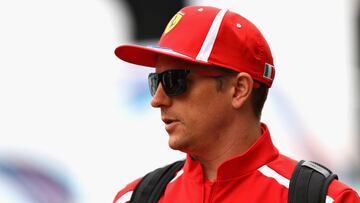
(209, 36)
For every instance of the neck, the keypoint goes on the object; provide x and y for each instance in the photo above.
(231, 145)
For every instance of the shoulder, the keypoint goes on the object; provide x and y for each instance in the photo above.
(283, 165)
(124, 195)
(162, 173)
(338, 192)
(278, 171)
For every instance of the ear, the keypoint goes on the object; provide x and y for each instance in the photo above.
(242, 86)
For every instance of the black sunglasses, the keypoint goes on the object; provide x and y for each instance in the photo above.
(173, 81)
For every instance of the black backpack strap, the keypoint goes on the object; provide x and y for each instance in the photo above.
(153, 184)
(309, 183)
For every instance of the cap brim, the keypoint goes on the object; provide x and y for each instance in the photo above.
(148, 56)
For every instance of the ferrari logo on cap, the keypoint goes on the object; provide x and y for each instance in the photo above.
(173, 22)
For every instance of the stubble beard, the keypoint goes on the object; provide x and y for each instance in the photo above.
(178, 141)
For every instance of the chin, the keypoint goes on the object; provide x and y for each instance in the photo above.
(176, 144)
(179, 141)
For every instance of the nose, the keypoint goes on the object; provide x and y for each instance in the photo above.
(160, 99)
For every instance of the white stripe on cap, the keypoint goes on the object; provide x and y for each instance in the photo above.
(208, 44)
(166, 50)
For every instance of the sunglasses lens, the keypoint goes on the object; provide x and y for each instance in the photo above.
(153, 83)
(172, 81)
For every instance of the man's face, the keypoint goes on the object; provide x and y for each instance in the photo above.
(195, 119)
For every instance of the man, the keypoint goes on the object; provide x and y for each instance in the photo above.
(213, 69)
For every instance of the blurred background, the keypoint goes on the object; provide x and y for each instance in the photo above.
(75, 122)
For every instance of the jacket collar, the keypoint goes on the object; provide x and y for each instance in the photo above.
(260, 153)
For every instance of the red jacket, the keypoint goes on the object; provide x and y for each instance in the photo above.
(259, 175)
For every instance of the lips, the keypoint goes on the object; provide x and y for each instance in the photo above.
(167, 120)
(170, 123)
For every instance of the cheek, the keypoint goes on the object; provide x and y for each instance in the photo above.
(203, 128)
(206, 117)
(205, 109)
